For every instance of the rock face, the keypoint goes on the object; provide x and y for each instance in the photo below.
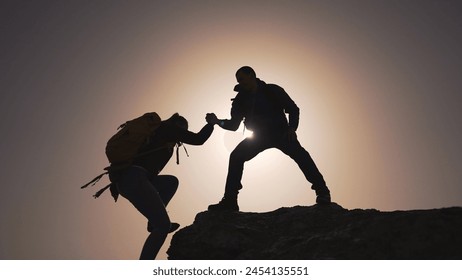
(321, 232)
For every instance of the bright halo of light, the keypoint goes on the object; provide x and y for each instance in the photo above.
(248, 133)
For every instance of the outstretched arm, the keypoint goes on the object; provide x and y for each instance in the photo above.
(199, 138)
(232, 124)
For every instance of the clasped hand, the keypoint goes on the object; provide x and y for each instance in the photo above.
(211, 118)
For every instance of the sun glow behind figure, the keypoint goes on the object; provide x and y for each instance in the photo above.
(248, 133)
(370, 106)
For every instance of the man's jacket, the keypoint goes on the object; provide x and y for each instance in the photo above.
(264, 112)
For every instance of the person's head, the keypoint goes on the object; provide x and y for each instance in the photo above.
(247, 78)
(178, 120)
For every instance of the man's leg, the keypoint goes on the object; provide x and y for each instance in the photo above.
(245, 151)
(166, 186)
(294, 150)
(136, 187)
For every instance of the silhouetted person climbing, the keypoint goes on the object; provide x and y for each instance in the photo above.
(263, 107)
(150, 192)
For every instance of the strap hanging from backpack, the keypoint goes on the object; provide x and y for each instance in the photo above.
(98, 193)
(97, 178)
(178, 153)
(112, 188)
(114, 192)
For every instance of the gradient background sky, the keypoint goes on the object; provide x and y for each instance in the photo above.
(378, 84)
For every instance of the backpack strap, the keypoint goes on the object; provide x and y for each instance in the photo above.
(96, 179)
(178, 153)
(112, 188)
(100, 192)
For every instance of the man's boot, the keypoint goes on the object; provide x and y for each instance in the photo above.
(173, 227)
(322, 195)
(226, 204)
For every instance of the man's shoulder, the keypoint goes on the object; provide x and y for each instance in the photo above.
(275, 90)
(274, 87)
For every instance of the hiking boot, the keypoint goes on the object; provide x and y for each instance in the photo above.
(323, 199)
(322, 195)
(226, 204)
(173, 227)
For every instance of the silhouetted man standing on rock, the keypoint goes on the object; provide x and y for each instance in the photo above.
(263, 108)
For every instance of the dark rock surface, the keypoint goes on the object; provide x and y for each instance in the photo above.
(322, 232)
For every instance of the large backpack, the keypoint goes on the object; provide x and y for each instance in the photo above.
(122, 148)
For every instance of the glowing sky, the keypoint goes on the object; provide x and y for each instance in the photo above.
(378, 84)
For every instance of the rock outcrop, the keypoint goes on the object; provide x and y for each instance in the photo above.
(322, 232)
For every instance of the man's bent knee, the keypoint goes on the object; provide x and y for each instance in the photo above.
(237, 157)
(173, 182)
